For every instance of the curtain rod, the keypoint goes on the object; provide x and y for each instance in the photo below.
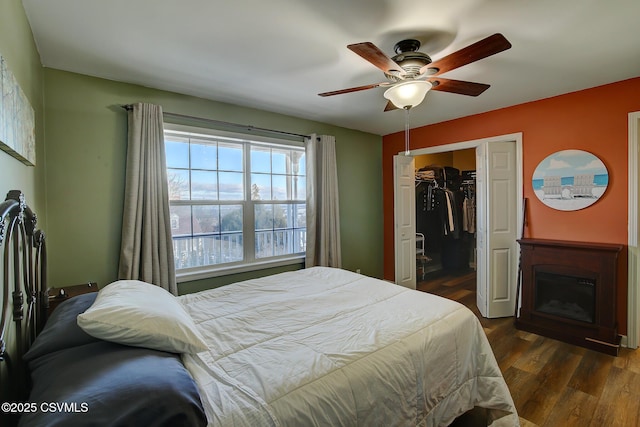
(250, 128)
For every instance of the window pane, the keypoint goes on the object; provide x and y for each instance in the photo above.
(300, 218)
(181, 252)
(178, 182)
(279, 188)
(279, 161)
(177, 152)
(203, 155)
(276, 229)
(208, 248)
(231, 247)
(260, 159)
(263, 217)
(204, 185)
(264, 244)
(260, 186)
(283, 216)
(301, 163)
(196, 251)
(282, 242)
(300, 187)
(201, 251)
(231, 186)
(300, 240)
(231, 218)
(180, 220)
(230, 157)
(206, 219)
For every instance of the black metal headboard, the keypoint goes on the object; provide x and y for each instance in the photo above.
(24, 289)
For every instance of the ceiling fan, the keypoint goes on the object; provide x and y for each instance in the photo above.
(411, 65)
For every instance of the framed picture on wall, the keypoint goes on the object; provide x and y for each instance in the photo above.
(570, 180)
(17, 124)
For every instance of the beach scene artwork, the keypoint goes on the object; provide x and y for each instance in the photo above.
(570, 180)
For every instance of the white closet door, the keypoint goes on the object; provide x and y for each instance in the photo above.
(405, 220)
(497, 228)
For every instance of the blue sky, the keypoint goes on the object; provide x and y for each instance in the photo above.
(204, 183)
(569, 163)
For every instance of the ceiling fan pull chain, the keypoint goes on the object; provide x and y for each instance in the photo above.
(406, 131)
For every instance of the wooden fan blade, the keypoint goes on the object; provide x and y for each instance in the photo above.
(371, 53)
(474, 52)
(390, 106)
(353, 89)
(458, 86)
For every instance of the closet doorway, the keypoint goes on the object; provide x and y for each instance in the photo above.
(445, 191)
(493, 177)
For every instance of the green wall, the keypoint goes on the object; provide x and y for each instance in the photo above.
(19, 51)
(86, 132)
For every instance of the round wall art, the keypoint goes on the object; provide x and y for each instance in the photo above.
(569, 180)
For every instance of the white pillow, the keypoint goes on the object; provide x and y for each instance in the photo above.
(140, 314)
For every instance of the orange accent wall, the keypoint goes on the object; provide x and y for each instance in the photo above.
(593, 120)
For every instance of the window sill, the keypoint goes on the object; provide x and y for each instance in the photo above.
(206, 273)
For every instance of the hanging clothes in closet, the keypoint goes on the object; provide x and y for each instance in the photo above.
(469, 204)
(454, 249)
(429, 199)
(439, 214)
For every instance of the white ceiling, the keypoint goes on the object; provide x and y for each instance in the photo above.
(277, 55)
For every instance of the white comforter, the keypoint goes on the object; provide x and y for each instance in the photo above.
(328, 347)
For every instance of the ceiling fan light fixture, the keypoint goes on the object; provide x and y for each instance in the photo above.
(408, 94)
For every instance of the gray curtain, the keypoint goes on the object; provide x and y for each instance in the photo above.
(323, 216)
(147, 249)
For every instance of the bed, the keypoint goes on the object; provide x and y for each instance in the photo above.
(315, 347)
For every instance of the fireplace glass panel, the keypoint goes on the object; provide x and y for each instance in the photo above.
(565, 296)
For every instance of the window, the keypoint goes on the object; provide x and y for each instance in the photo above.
(234, 202)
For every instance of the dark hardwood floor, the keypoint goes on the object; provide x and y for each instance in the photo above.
(553, 384)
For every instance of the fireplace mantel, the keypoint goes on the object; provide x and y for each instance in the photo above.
(593, 264)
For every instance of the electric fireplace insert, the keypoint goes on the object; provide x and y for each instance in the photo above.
(566, 296)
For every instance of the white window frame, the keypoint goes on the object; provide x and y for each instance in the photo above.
(250, 263)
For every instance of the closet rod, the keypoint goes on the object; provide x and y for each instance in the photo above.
(250, 128)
